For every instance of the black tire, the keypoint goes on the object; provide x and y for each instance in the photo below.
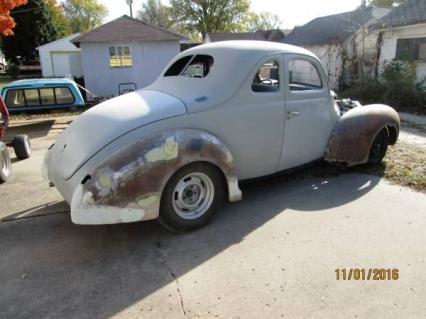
(378, 148)
(196, 173)
(22, 146)
(5, 164)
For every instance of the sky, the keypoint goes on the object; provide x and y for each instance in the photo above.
(291, 12)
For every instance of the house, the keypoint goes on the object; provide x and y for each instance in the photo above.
(402, 35)
(125, 54)
(60, 58)
(342, 42)
(275, 35)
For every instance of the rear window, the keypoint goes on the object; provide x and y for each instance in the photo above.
(178, 66)
(39, 97)
(190, 66)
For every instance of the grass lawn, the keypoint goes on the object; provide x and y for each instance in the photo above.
(404, 164)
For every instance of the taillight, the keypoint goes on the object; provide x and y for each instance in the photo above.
(4, 119)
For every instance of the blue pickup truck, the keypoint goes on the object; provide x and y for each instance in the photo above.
(41, 94)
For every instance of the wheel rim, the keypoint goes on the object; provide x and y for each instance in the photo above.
(28, 146)
(193, 195)
(5, 162)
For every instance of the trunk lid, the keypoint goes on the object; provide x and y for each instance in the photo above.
(97, 127)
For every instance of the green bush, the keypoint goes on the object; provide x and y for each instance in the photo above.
(397, 87)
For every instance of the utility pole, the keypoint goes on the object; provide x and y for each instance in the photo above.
(130, 4)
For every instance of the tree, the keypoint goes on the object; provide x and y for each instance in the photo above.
(262, 21)
(59, 19)
(205, 16)
(384, 3)
(34, 27)
(155, 13)
(7, 23)
(84, 15)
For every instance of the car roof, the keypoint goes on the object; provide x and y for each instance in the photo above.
(255, 47)
(233, 61)
(39, 83)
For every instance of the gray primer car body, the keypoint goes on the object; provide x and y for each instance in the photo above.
(113, 162)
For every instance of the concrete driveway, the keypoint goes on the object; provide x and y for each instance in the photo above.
(273, 255)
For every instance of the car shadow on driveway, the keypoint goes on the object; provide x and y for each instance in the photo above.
(50, 267)
(34, 129)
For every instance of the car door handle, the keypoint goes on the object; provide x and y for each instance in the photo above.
(290, 115)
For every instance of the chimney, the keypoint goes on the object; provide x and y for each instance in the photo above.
(363, 3)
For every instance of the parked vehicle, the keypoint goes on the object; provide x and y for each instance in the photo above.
(219, 113)
(41, 94)
(20, 143)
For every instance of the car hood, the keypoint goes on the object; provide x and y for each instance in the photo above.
(97, 127)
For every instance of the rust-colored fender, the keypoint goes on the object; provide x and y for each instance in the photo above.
(353, 134)
(127, 186)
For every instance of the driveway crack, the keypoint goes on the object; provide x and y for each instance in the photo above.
(163, 258)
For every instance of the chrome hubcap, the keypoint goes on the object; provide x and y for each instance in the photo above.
(193, 195)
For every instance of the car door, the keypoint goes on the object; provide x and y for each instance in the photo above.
(307, 107)
(251, 124)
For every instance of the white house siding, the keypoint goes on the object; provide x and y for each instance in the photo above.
(388, 49)
(331, 59)
(148, 60)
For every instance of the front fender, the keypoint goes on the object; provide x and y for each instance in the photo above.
(127, 186)
(354, 133)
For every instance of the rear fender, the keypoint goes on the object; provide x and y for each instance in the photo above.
(354, 133)
(127, 186)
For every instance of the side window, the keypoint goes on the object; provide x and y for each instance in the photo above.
(47, 96)
(64, 96)
(267, 78)
(15, 98)
(32, 97)
(303, 76)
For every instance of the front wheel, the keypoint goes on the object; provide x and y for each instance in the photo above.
(5, 165)
(378, 148)
(192, 196)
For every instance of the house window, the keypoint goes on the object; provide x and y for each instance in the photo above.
(411, 49)
(267, 78)
(120, 57)
(303, 76)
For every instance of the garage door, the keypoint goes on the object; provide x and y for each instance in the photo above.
(61, 64)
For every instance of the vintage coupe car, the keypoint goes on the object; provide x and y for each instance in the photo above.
(218, 114)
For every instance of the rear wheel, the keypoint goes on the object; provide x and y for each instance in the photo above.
(5, 165)
(378, 148)
(191, 197)
(22, 146)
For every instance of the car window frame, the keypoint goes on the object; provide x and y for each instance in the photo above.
(281, 75)
(324, 91)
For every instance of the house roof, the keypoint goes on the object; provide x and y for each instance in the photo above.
(408, 13)
(62, 44)
(330, 29)
(127, 29)
(274, 35)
